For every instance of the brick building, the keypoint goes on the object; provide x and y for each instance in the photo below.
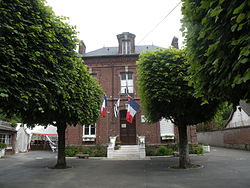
(8, 136)
(115, 70)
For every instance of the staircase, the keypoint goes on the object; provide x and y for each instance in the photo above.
(127, 152)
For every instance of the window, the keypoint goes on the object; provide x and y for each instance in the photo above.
(89, 130)
(126, 47)
(93, 75)
(8, 140)
(89, 133)
(2, 138)
(167, 129)
(127, 84)
(5, 139)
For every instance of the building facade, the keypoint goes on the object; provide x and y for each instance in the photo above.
(8, 136)
(115, 70)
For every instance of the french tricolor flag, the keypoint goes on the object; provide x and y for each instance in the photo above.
(104, 107)
(133, 107)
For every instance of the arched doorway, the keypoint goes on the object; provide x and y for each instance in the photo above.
(127, 130)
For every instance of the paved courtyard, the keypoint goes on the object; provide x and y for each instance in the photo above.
(222, 168)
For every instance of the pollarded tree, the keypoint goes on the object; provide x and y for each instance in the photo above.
(164, 92)
(217, 39)
(42, 78)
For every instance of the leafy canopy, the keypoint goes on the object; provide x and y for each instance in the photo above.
(164, 92)
(217, 40)
(42, 78)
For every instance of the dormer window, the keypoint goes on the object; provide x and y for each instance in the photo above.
(126, 47)
(126, 43)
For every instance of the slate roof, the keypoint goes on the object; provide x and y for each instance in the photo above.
(5, 126)
(109, 51)
(245, 107)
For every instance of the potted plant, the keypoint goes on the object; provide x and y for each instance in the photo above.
(3, 146)
(206, 148)
(117, 144)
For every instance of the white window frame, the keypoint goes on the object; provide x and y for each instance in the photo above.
(166, 129)
(89, 136)
(2, 138)
(126, 47)
(6, 138)
(127, 82)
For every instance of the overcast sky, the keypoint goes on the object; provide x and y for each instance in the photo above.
(99, 21)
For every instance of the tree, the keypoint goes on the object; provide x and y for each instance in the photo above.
(164, 92)
(217, 40)
(219, 120)
(42, 78)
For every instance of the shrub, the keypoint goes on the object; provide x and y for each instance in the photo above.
(164, 150)
(150, 150)
(70, 151)
(93, 151)
(195, 149)
(161, 150)
(2, 145)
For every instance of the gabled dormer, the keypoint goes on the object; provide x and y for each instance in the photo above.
(126, 42)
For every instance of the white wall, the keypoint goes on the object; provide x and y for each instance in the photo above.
(240, 118)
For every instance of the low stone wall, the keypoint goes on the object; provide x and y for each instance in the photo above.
(238, 138)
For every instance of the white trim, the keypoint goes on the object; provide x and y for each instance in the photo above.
(88, 137)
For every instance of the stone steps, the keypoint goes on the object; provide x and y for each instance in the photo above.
(127, 151)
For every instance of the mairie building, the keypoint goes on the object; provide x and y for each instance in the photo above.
(115, 70)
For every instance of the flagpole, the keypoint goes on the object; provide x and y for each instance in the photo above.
(108, 126)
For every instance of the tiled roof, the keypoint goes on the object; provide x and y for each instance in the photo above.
(5, 126)
(108, 51)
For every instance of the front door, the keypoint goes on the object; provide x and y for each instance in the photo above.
(127, 130)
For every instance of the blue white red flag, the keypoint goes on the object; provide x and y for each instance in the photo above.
(133, 108)
(104, 107)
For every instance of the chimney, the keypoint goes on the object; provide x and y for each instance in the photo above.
(82, 48)
(126, 42)
(175, 42)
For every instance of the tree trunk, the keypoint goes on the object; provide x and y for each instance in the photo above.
(61, 162)
(184, 160)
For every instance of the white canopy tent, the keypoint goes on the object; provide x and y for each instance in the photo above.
(22, 140)
(47, 133)
(24, 136)
(50, 130)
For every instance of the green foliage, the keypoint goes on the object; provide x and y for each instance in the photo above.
(164, 92)
(93, 151)
(217, 39)
(195, 149)
(2, 145)
(163, 150)
(42, 78)
(222, 115)
(13, 120)
(219, 120)
(70, 151)
(169, 149)
(150, 150)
